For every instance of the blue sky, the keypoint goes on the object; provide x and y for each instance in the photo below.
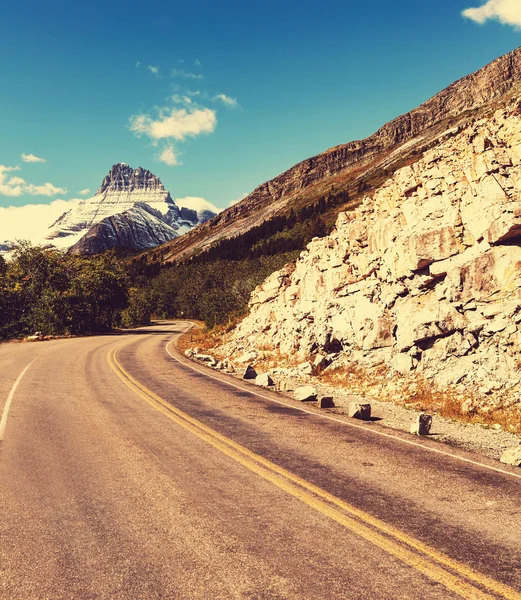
(218, 97)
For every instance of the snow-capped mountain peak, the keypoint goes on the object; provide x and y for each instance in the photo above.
(119, 192)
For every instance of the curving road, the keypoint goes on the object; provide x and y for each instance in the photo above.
(127, 472)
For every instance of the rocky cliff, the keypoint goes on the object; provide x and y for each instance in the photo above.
(398, 142)
(423, 279)
(117, 216)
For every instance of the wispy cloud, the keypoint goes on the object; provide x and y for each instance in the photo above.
(138, 64)
(226, 100)
(30, 222)
(197, 63)
(507, 12)
(31, 158)
(169, 156)
(84, 192)
(46, 189)
(154, 70)
(186, 74)
(17, 186)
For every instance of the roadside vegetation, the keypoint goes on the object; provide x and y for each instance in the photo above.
(60, 294)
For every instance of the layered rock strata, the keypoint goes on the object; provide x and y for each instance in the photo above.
(423, 278)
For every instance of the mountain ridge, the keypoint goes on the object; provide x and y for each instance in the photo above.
(406, 135)
(123, 193)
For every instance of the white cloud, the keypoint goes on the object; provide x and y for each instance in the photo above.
(84, 192)
(30, 222)
(16, 186)
(186, 74)
(138, 64)
(31, 158)
(153, 70)
(507, 12)
(197, 204)
(226, 100)
(169, 156)
(197, 63)
(175, 123)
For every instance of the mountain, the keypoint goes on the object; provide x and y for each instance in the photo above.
(417, 292)
(138, 228)
(359, 165)
(131, 209)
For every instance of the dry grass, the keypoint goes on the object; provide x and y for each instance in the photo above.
(204, 338)
(420, 395)
(198, 337)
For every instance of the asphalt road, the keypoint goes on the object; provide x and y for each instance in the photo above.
(128, 473)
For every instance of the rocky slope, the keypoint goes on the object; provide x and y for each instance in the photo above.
(361, 163)
(136, 229)
(131, 209)
(422, 282)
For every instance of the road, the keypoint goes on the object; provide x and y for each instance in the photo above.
(127, 472)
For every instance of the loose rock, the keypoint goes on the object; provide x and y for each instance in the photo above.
(249, 373)
(358, 410)
(326, 402)
(512, 456)
(423, 424)
(263, 380)
(305, 393)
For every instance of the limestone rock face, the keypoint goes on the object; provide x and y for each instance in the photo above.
(424, 277)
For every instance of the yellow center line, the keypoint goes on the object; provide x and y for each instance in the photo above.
(395, 542)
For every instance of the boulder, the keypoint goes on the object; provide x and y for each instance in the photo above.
(512, 456)
(359, 410)
(326, 402)
(206, 358)
(247, 357)
(422, 425)
(307, 368)
(249, 373)
(264, 380)
(320, 362)
(306, 393)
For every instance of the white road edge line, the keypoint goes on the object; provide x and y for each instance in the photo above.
(7, 406)
(346, 423)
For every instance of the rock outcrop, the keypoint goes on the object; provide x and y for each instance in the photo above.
(424, 278)
(129, 203)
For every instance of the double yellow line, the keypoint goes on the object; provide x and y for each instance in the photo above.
(455, 576)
